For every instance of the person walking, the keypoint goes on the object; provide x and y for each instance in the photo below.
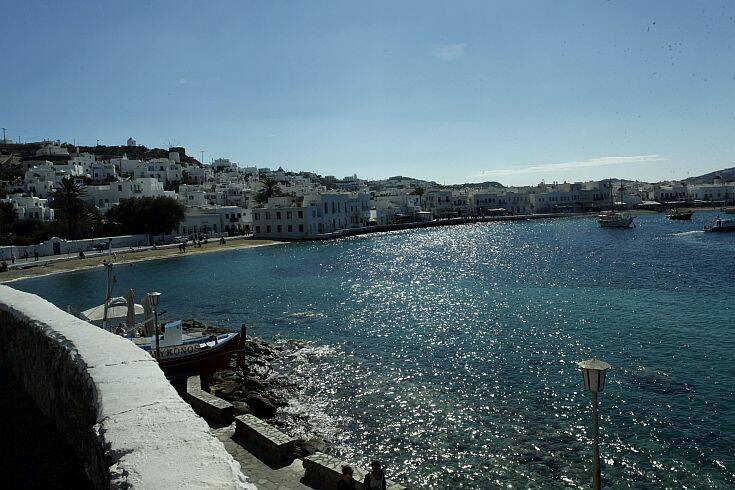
(25, 254)
(35, 255)
(12, 257)
(375, 480)
(346, 482)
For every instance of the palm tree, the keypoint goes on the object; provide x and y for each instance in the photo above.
(270, 189)
(67, 199)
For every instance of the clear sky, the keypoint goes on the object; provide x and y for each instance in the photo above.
(457, 91)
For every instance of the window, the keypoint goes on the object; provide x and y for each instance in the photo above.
(288, 214)
(119, 187)
(267, 215)
(257, 229)
(290, 228)
(301, 228)
(301, 214)
(268, 229)
(257, 216)
(278, 215)
(279, 228)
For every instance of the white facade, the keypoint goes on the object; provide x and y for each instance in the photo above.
(712, 192)
(215, 219)
(191, 196)
(103, 172)
(106, 196)
(311, 215)
(30, 207)
(52, 148)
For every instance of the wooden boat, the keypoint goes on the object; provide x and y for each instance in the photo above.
(181, 355)
(613, 219)
(177, 353)
(680, 215)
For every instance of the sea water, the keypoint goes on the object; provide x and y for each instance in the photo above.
(450, 353)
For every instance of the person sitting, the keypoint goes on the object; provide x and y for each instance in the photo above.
(346, 482)
(375, 480)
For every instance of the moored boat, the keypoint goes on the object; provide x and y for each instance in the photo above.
(613, 219)
(721, 224)
(677, 215)
(203, 354)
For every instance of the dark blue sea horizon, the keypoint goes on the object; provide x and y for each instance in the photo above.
(450, 353)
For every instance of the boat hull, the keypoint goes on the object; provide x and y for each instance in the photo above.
(206, 357)
(617, 223)
(680, 217)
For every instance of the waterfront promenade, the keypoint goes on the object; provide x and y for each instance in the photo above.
(68, 263)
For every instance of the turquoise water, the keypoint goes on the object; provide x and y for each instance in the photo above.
(449, 353)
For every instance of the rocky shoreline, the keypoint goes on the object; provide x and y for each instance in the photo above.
(259, 387)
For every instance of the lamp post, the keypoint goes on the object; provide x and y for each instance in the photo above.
(153, 299)
(593, 374)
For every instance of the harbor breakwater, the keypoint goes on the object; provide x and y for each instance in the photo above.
(110, 401)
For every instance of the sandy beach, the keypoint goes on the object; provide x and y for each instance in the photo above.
(45, 266)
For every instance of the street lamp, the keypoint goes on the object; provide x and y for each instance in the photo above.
(593, 373)
(153, 299)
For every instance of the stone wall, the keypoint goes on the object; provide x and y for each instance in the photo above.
(110, 401)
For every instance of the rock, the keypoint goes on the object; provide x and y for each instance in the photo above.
(224, 389)
(241, 408)
(261, 407)
(308, 447)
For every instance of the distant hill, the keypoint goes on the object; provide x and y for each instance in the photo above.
(27, 151)
(727, 174)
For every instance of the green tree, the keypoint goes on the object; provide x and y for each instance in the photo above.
(149, 215)
(270, 189)
(7, 214)
(419, 191)
(69, 204)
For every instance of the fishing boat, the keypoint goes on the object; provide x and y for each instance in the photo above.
(613, 219)
(678, 215)
(721, 224)
(177, 352)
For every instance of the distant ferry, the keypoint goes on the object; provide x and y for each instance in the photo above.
(721, 225)
(613, 219)
(675, 214)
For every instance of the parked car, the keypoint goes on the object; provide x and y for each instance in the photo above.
(101, 246)
(180, 239)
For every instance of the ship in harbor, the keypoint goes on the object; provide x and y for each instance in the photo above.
(720, 225)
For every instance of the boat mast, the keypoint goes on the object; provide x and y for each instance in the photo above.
(108, 292)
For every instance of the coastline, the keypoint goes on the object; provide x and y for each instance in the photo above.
(51, 267)
(72, 264)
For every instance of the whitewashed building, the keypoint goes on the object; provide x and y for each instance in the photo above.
(52, 148)
(216, 219)
(30, 207)
(109, 195)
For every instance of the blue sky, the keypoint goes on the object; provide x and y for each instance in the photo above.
(448, 91)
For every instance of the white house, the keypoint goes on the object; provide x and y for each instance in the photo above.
(109, 195)
(215, 219)
(30, 207)
(52, 148)
(103, 172)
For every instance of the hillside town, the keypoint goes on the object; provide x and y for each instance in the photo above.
(226, 198)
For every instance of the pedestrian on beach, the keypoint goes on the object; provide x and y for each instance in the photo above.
(375, 480)
(35, 255)
(12, 257)
(346, 482)
(25, 254)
